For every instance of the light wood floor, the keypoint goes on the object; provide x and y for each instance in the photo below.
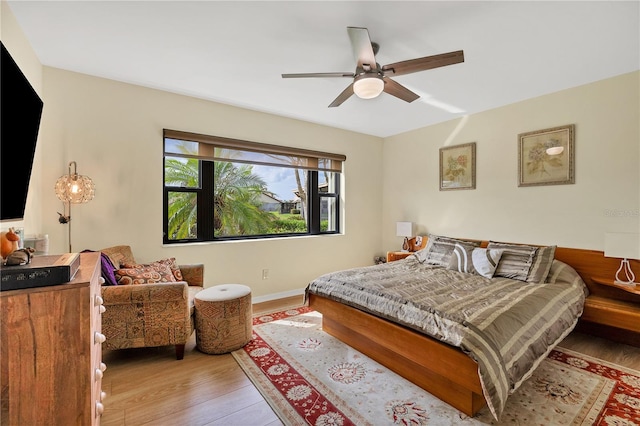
(150, 387)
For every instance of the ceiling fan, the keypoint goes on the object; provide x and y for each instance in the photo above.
(370, 79)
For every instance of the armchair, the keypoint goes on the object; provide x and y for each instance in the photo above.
(149, 315)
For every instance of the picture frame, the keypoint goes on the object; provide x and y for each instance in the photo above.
(539, 165)
(458, 167)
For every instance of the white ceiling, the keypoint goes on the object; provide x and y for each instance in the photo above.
(235, 52)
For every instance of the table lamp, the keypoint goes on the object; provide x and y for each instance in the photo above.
(625, 246)
(404, 229)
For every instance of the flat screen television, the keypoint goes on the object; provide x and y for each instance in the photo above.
(20, 113)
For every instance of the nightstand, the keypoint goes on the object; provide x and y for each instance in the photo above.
(397, 255)
(615, 309)
(415, 244)
(635, 289)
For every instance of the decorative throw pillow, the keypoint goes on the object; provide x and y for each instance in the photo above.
(473, 260)
(150, 273)
(516, 260)
(108, 270)
(119, 255)
(173, 265)
(541, 264)
(439, 248)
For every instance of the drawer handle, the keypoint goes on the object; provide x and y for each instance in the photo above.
(99, 374)
(103, 366)
(100, 338)
(99, 300)
(102, 309)
(99, 408)
(103, 395)
(101, 280)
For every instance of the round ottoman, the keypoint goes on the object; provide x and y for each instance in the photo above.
(223, 318)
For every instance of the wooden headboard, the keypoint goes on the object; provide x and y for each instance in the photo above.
(593, 263)
(417, 243)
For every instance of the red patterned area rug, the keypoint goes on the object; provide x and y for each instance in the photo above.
(310, 378)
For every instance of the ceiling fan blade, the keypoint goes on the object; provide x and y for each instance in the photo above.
(399, 91)
(346, 94)
(362, 48)
(319, 74)
(422, 64)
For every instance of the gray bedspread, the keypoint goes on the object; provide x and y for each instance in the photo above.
(508, 327)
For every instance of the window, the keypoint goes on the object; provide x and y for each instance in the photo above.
(219, 189)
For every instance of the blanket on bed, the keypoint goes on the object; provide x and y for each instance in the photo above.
(507, 326)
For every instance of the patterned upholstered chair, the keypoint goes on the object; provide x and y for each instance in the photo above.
(149, 315)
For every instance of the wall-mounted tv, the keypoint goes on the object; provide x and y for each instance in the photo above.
(20, 112)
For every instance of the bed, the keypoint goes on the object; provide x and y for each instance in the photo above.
(469, 336)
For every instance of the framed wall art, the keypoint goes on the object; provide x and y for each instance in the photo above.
(458, 167)
(546, 157)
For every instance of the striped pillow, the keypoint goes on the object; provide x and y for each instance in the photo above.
(541, 264)
(473, 260)
(516, 260)
(439, 248)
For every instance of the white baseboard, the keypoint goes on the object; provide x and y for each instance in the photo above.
(276, 296)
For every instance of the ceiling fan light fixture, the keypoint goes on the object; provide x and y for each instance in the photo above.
(368, 86)
(370, 79)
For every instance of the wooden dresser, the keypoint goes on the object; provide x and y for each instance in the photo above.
(51, 365)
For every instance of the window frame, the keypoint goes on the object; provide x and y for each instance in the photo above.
(205, 231)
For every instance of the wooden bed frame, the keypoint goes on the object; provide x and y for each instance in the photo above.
(443, 370)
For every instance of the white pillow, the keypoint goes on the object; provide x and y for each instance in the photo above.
(476, 261)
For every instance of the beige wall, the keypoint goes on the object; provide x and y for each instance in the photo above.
(604, 198)
(114, 133)
(18, 46)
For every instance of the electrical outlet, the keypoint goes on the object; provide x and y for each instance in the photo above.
(265, 274)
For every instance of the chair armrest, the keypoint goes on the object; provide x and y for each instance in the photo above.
(193, 274)
(145, 293)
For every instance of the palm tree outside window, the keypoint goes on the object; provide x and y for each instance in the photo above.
(219, 189)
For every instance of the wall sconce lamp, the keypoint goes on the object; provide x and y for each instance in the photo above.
(625, 246)
(404, 229)
(73, 188)
(554, 147)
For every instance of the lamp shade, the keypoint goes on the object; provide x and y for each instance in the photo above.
(74, 188)
(404, 229)
(368, 86)
(622, 245)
